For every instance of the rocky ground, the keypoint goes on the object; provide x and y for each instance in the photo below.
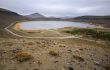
(53, 54)
(49, 54)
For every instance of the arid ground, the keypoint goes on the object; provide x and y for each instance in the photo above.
(72, 53)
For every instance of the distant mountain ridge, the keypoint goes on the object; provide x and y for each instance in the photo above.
(93, 17)
(5, 11)
(101, 20)
(35, 15)
(7, 17)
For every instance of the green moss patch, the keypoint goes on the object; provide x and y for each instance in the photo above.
(93, 33)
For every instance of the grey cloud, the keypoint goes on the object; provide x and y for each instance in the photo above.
(58, 8)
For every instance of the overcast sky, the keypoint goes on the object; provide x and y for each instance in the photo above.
(58, 8)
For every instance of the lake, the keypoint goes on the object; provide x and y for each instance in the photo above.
(34, 25)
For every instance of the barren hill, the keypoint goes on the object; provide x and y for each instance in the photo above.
(102, 20)
(7, 17)
(35, 15)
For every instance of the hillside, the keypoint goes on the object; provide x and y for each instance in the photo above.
(101, 20)
(79, 51)
(35, 15)
(6, 18)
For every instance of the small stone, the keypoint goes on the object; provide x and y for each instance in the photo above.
(62, 45)
(69, 50)
(38, 42)
(53, 53)
(16, 50)
(34, 62)
(96, 62)
(55, 61)
(39, 62)
(4, 52)
(27, 69)
(70, 68)
(30, 43)
(107, 67)
(78, 58)
(23, 40)
(106, 56)
(81, 49)
(95, 69)
(36, 69)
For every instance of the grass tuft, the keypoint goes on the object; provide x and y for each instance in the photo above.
(23, 56)
(78, 58)
(92, 33)
(30, 43)
(53, 53)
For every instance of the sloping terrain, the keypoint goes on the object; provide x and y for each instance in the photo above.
(6, 18)
(53, 54)
(49, 54)
(100, 20)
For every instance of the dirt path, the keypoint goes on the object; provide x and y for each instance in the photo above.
(65, 37)
(38, 37)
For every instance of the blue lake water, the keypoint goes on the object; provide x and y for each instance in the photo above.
(34, 25)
